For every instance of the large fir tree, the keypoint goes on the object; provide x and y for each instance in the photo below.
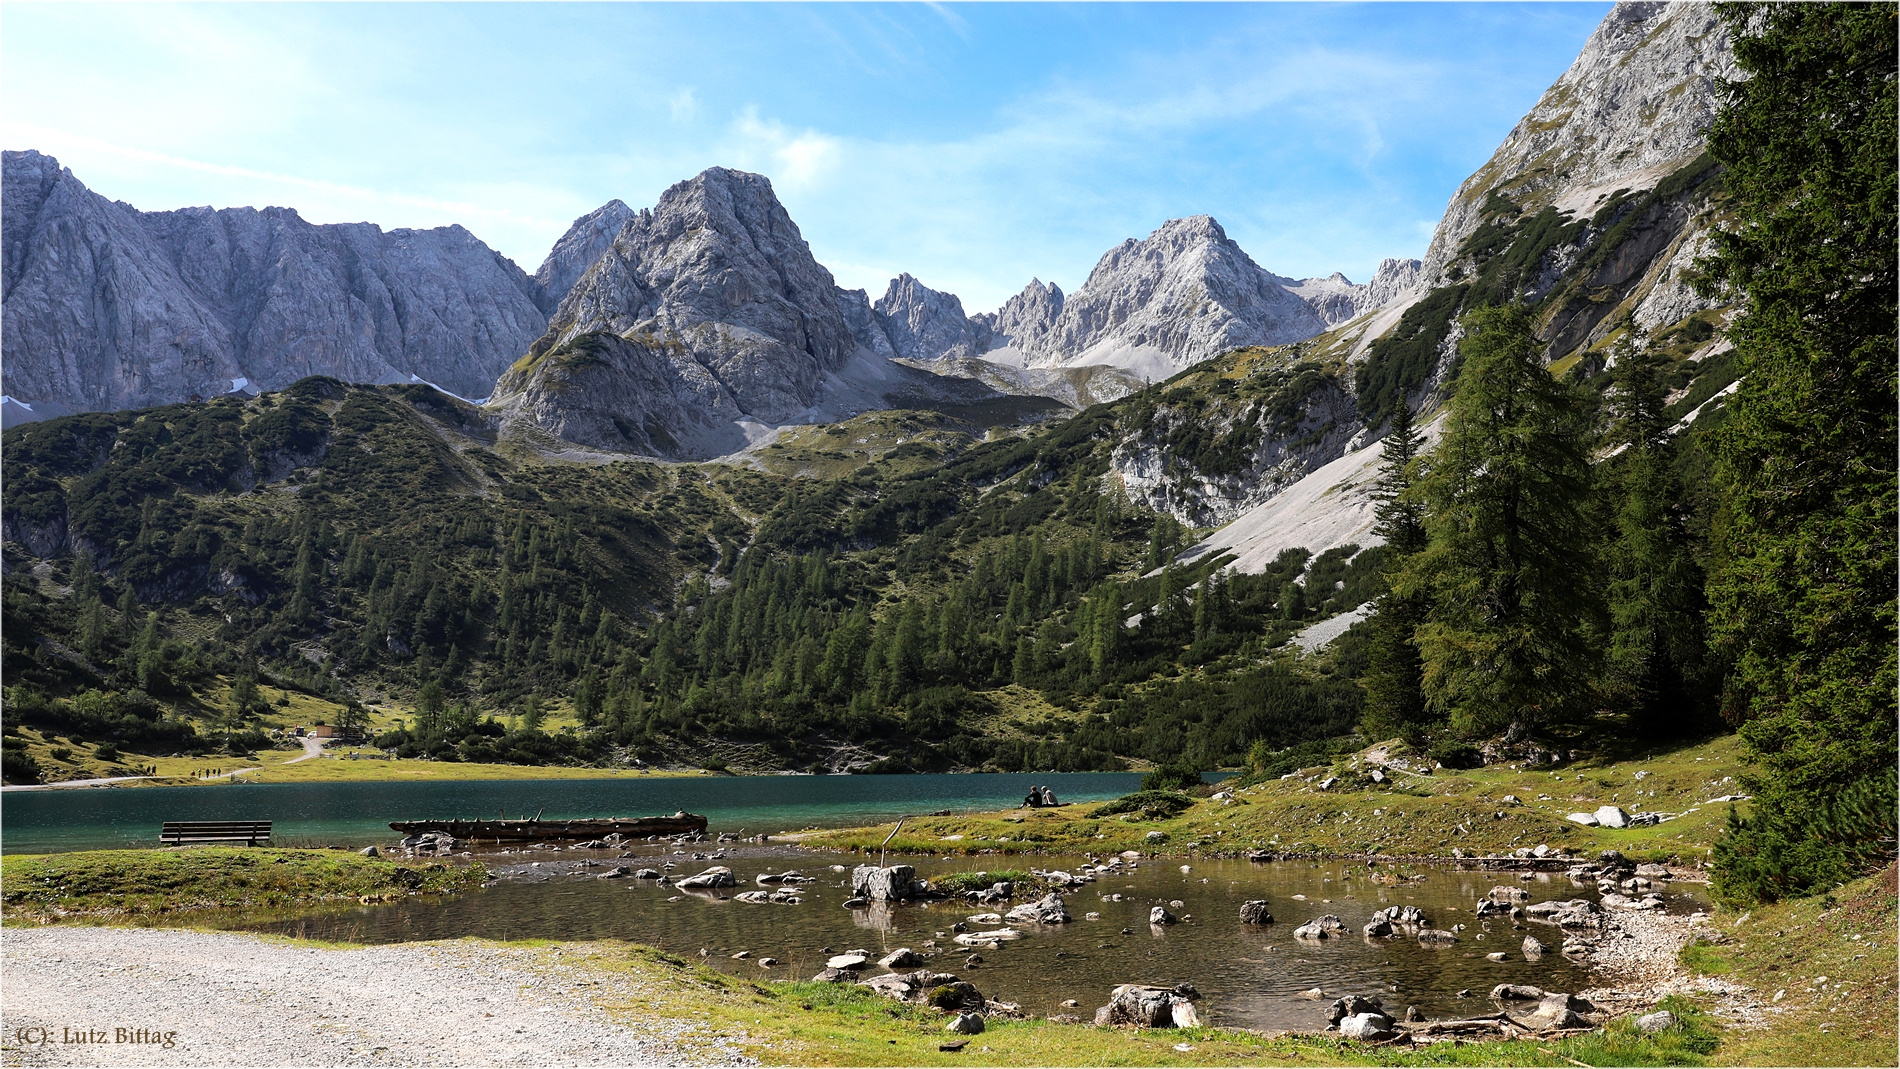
(1658, 651)
(1507, 557)
(1803, 596)
(1395, 697)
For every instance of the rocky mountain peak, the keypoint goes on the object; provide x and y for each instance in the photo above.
(1182, 294)
(108, 307)
(1634, 107)
(719, 271)
(927, 324)
(577, 250)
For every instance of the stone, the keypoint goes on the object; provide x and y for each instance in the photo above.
(835, 976)
(1404, 916)
(1533, 948)
(956, 994)
(1045, 910)
(717, 876)
(1509, 894)
(370, 851)
(1517, 991)
(648, 874)
(1611, 816)
(766, 963)
(876, 884)
(966, 1024)
(901, 958)
(1436, 935)
(1160, 915)
(1413, 1015)
(1650, 870)
(1660, 1021)
(1367, 1027)
(1349, 1005)
(1328, 783)
(1156, 836)
(1496, 955)
(1254, 911)
(890, 985)
(1378, 928)
(1586, 819)
(1556, 1002)
(847, 961)
(1148, 1007)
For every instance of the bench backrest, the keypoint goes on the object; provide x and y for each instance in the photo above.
(215, 831)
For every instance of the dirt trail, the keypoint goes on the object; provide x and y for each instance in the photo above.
(235, 999)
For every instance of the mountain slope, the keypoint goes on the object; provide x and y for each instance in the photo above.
(107, 307)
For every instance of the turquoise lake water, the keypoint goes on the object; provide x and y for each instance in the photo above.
(357, 814)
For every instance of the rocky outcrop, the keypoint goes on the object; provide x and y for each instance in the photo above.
(926, 324)
(107, 307)
(585, 242)
(1179, 296)
(1634, 107)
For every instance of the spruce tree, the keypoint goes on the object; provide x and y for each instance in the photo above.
(1657, 650)
(1507, 556)
(1803, 594)
(1394, 680)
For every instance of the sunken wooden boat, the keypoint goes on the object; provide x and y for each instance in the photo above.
(681, 823)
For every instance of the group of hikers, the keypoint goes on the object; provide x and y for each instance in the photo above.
(1039, 797)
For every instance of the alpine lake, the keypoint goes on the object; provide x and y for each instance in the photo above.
(1249, 976)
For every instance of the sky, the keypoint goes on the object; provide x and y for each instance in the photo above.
(972, 145)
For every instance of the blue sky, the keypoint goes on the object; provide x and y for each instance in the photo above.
(974, 146)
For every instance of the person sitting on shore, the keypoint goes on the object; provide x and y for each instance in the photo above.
(1034, 799)
(1048, 797)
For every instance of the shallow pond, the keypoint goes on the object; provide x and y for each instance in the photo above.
(1251, 976)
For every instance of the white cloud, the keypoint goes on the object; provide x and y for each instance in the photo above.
(684, 104)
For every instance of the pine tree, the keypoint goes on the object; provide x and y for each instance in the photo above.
(1803, 594)
(1507, 558)
(1394, 681)
(1657, 650)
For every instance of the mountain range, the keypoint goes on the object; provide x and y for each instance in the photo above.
(713, 294)
(692, 328)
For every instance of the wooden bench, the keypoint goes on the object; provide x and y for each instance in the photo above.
(188, 832)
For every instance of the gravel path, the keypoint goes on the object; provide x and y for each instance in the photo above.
(234, 999)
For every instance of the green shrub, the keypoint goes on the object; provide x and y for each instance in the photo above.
(1179, 776)
(18, 766)
(61, 753)
(1793, 850)
(1157, 804)
(107, 752)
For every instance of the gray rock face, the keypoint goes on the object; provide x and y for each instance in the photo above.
(720, 271)
(1184, 293)
(585, 242)
(1027, 317)
(926, 324)
(107, 307)
(1336, 299)
(1635, 105)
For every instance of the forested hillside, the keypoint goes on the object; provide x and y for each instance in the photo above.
(342, 538)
